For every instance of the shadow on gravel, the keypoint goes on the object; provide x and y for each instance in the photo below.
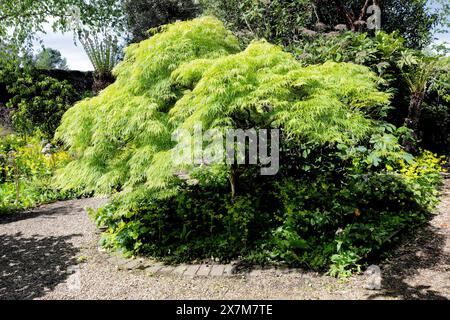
(60, 208)
(30, 266)
(424, 250)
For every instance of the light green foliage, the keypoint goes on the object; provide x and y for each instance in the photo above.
(26, 172)
(318, 103)
(116, 135)
(122, 137)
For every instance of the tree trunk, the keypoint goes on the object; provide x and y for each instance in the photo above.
(234, 180)
(353, 22)
(414, 110)
(101, 81)
(348, 16)
(413, 119)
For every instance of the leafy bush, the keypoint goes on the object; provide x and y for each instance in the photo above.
(315, 220)
(26, 167)
(345, 187)
(380, 53)
(435, 118)
(39, 102)
(277, 21)
(198, 223)
(403, 69)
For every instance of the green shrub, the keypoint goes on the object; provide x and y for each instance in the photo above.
(277, 21)
(435, 120)
(382, 49)
(316, 221)
(38, 103)
(26, 172)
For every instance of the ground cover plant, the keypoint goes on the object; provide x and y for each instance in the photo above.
(345, 187)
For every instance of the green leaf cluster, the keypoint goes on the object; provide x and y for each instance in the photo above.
(38, 102)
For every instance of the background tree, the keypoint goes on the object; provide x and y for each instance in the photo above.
(142, 15)
(278, 21)
(21, 21)
(49, 58)
(413, 19)
(285, 22)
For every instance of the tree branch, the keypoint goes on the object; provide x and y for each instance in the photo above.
(363, 10)
(345, 14)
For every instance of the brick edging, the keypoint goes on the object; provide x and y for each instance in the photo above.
(151, 268)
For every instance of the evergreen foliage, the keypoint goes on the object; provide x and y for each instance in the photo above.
(38, 102)
(49, 58)
(143, 15)
(292, 22)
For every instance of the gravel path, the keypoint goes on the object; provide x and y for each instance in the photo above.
(51, 253)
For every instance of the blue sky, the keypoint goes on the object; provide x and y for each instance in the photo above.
(78, 60)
